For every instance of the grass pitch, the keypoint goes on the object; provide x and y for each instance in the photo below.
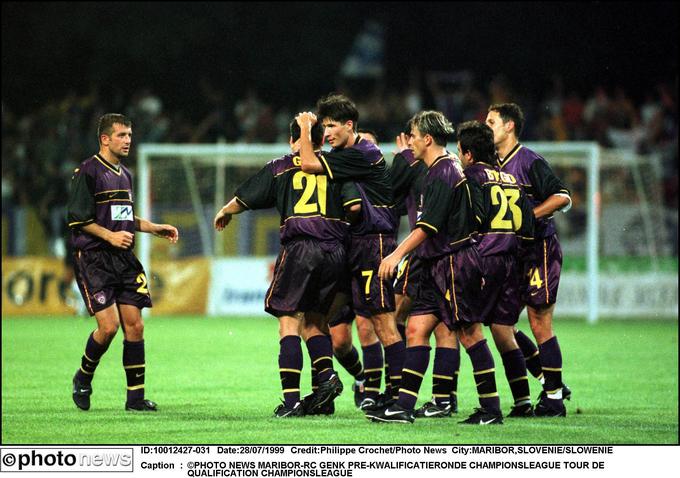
(216, 381)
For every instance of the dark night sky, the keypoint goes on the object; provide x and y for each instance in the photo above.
(293, 50)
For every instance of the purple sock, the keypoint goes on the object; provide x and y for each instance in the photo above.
(373, 366)
(395, 355)
(88, 363)
(446, 362)
(530, 353)
(352, 364)
(320, 350)
(483, 368)
(133, 363)
(415, 366)
(516, 373)
(551, 362)
(290, 368)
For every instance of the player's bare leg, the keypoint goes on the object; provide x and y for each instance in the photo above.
(551, 403)
(134, 358)
(403, 305)
(97, 344)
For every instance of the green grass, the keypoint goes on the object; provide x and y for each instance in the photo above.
(216, 381)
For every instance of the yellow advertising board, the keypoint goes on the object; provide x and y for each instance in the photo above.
(180, 286)
(40, 286)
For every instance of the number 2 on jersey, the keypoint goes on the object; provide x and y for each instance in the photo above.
(312, 183)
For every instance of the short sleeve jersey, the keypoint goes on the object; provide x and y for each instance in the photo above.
(363, 163)
(538, 181)
(100, 193)
(408, 175)
(502, 210)
(446, 211)
(310, 205)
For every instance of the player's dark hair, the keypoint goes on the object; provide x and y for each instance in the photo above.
(433, 123)
(477, 138)
(369, 131)
(510, 112)
(106, 122)
(317, 132)
(339, 108)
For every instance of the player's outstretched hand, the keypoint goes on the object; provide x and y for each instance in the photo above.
(388, 266)
(402, 143)
(167, 231)
(121, 239)
(222, 219)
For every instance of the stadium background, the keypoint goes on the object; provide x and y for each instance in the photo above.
(195, 73)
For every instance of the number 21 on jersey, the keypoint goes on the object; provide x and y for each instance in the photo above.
(310, 184)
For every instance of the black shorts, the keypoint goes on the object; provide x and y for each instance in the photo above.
(306, 278)
(370, 294)
(408, 275)
(108, 276)
(343, 316)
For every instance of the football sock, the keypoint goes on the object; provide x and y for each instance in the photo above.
(290, 368)
(395, 355)
(415, 366)
(551, 362)
(352, 364)
(373, 365)
(133, 363)
(516, 373)
(90, 360)
(483, 369)
(315, 379)
(320, 351)
(530, 353)
(446, 362)
(456, 361)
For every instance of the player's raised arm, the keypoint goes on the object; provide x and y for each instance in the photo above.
(309, 161)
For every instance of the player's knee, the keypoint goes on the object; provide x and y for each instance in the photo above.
(108, 331)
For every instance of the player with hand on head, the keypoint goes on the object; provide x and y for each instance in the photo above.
(311, 262)
(373, 236)
(112, 282)
(542, 260)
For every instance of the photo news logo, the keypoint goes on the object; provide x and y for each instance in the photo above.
(66, 459)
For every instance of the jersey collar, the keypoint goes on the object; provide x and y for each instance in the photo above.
(115, 169)
(510, 155)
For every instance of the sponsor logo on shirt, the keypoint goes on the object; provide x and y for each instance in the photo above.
(121, 213)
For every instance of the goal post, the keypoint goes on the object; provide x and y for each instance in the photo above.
(189, 182)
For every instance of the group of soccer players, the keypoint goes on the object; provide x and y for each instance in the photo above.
(482, 246)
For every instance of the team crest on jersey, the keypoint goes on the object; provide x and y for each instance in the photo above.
(100, 297)
(121, 213)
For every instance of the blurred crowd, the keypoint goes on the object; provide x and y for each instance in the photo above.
(41, 148)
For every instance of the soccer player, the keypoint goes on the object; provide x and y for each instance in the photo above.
(542, 261)
(310, 263)
(355, 159)
(505, 218)
(366, 380)
(408, 175)
(451, 281)
(111, 279)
